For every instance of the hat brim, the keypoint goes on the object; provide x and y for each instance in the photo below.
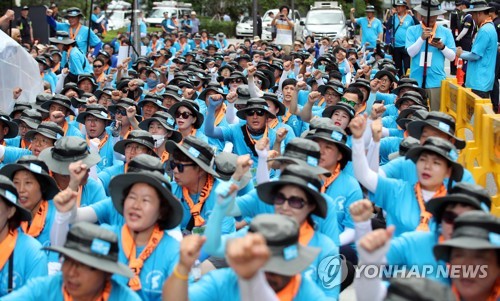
(61, 167)
(416, 127)
(171, 146)
(436, 206)
(30, 123)
(94, 261)
(81, 117)
(470, 10)
(442, 251)
(328, 111)
(322, 89)
(423, 11)
(176, 135)
(317, 170)
(343, 148)
(13, 128)
(46, 105)
(31, 134)
(265, 193)
(412, 88)
(199, 117)
(63, 41)
(119, 146)
(242, 112)
(120, 183)
(415, 152)
(49, 188)
(389, 74)
(24, 214)
(278, 265)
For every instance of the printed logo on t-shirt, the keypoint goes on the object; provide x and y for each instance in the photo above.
(154, 281)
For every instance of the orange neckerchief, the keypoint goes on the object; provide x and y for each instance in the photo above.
(79, 197)
(136, 264)
(370, 21)
(330, 179)
(251, 138)
(291, 289)
(220, 114)
(405, 134)
(306, 233)
(25, 144)
(433, 33)
(195, 209)
(401, 20)
(425, 216)
(7, 246)
(193, 133)
(101, 78)
(488, 20)
(321, 101)
(38, 221)
(102, 141)
(362, 109)
(164, 156)
(273, 123)
(3, 143)
(56, 67)
(74, 33)
(65, 127)
(153, 46)
(103, 297)
(494, 295)
(285, 118)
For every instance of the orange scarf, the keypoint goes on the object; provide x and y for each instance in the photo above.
(433, 33)
(494, 295)
(273, 123)
(79, 197)
(287, 116)
(306, 233)
(361, 109)
(488, 20)
(164, 156)
(195, 209)
(103, 297)
(425, 216)
(129, 248)
(321, 101)
(220, 114)
(251, 138)
(291, 289)
(65, 127)
(7, 246)
(101, 143)
(25, 144)
(401, 20)
(38, 221)
(74, 33)
(331, 178)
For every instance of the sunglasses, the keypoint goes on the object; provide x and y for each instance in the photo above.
(236, 81)
(449, 217)
(293, 201)
(255, 111)
(258, 82)
(183, 115)
(122, 112)
(97, 66)
(348, 101)
(180, 166)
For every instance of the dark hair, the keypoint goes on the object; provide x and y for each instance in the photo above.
(355, 90)
(311, 37)
(180, 156)
(100, 60)
(164, 206)
(284, 6)
(335, 74)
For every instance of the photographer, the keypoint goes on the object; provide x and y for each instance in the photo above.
(284, 29)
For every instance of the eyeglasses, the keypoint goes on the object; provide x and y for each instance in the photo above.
(259, 112)
(257, 82)
(183, 115)
(293, 201)
(122, 112)
(349, 102)
(449, 217)
(98, 66)
(236, 81)
(180, 166)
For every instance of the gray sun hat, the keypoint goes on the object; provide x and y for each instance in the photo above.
(62, 37)
(96, 110)
(95, 247)
(444, 149)
(333, 134)
(47, 129)
(31, 117)
(71, 86)
(60, 100)
(336, 86)
(120, 184)
(433, 5)
(66, 151)
(197, 150)
(412, 96)
(404, 146)
(477, 5)
(192, 106)
(288, 257)
(13, 128)
(370, 9)
(20, 106)
(8, 193)
(417, 289)
(225, 166)
(166, 120)
(154, 99)
(141, 137)
(145, 162)
(439, 121)
(39, 169)
(243, 95)
(303, 152)
(463, 193)
(473, 230)
(418, 112)
(300, 176)
(274, 98)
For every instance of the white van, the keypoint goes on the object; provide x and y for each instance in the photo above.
(155, 16)
(266, 24)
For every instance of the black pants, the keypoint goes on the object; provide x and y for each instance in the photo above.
(481, 94)
(495, 98)
(402, 60)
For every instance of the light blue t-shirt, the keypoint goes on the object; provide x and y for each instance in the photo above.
(50, 288)
(435, 72)
(29, 262)
(222, 284)
(106, 213)
(370, 32)
(106, 174)
(480, 73)
(92, 192)
(81, 37)
(400, 33)
(388, 145)
(157, 267)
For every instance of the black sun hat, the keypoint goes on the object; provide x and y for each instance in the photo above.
(11, 125)
(31, 117)
(439, 121)
(8, 193)
(141, 137)
(197, 150)
(166, 120)
(193, 107)
(328, 132)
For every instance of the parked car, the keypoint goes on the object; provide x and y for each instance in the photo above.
(155, 16)
(118, 18)
(266, 25)
(443, 22)
(244, 28)
(325, 19)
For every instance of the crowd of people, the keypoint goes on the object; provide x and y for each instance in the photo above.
(205, 170)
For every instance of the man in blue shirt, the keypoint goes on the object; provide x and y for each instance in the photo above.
(399, 23)
(482, 57)
(371, 27)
